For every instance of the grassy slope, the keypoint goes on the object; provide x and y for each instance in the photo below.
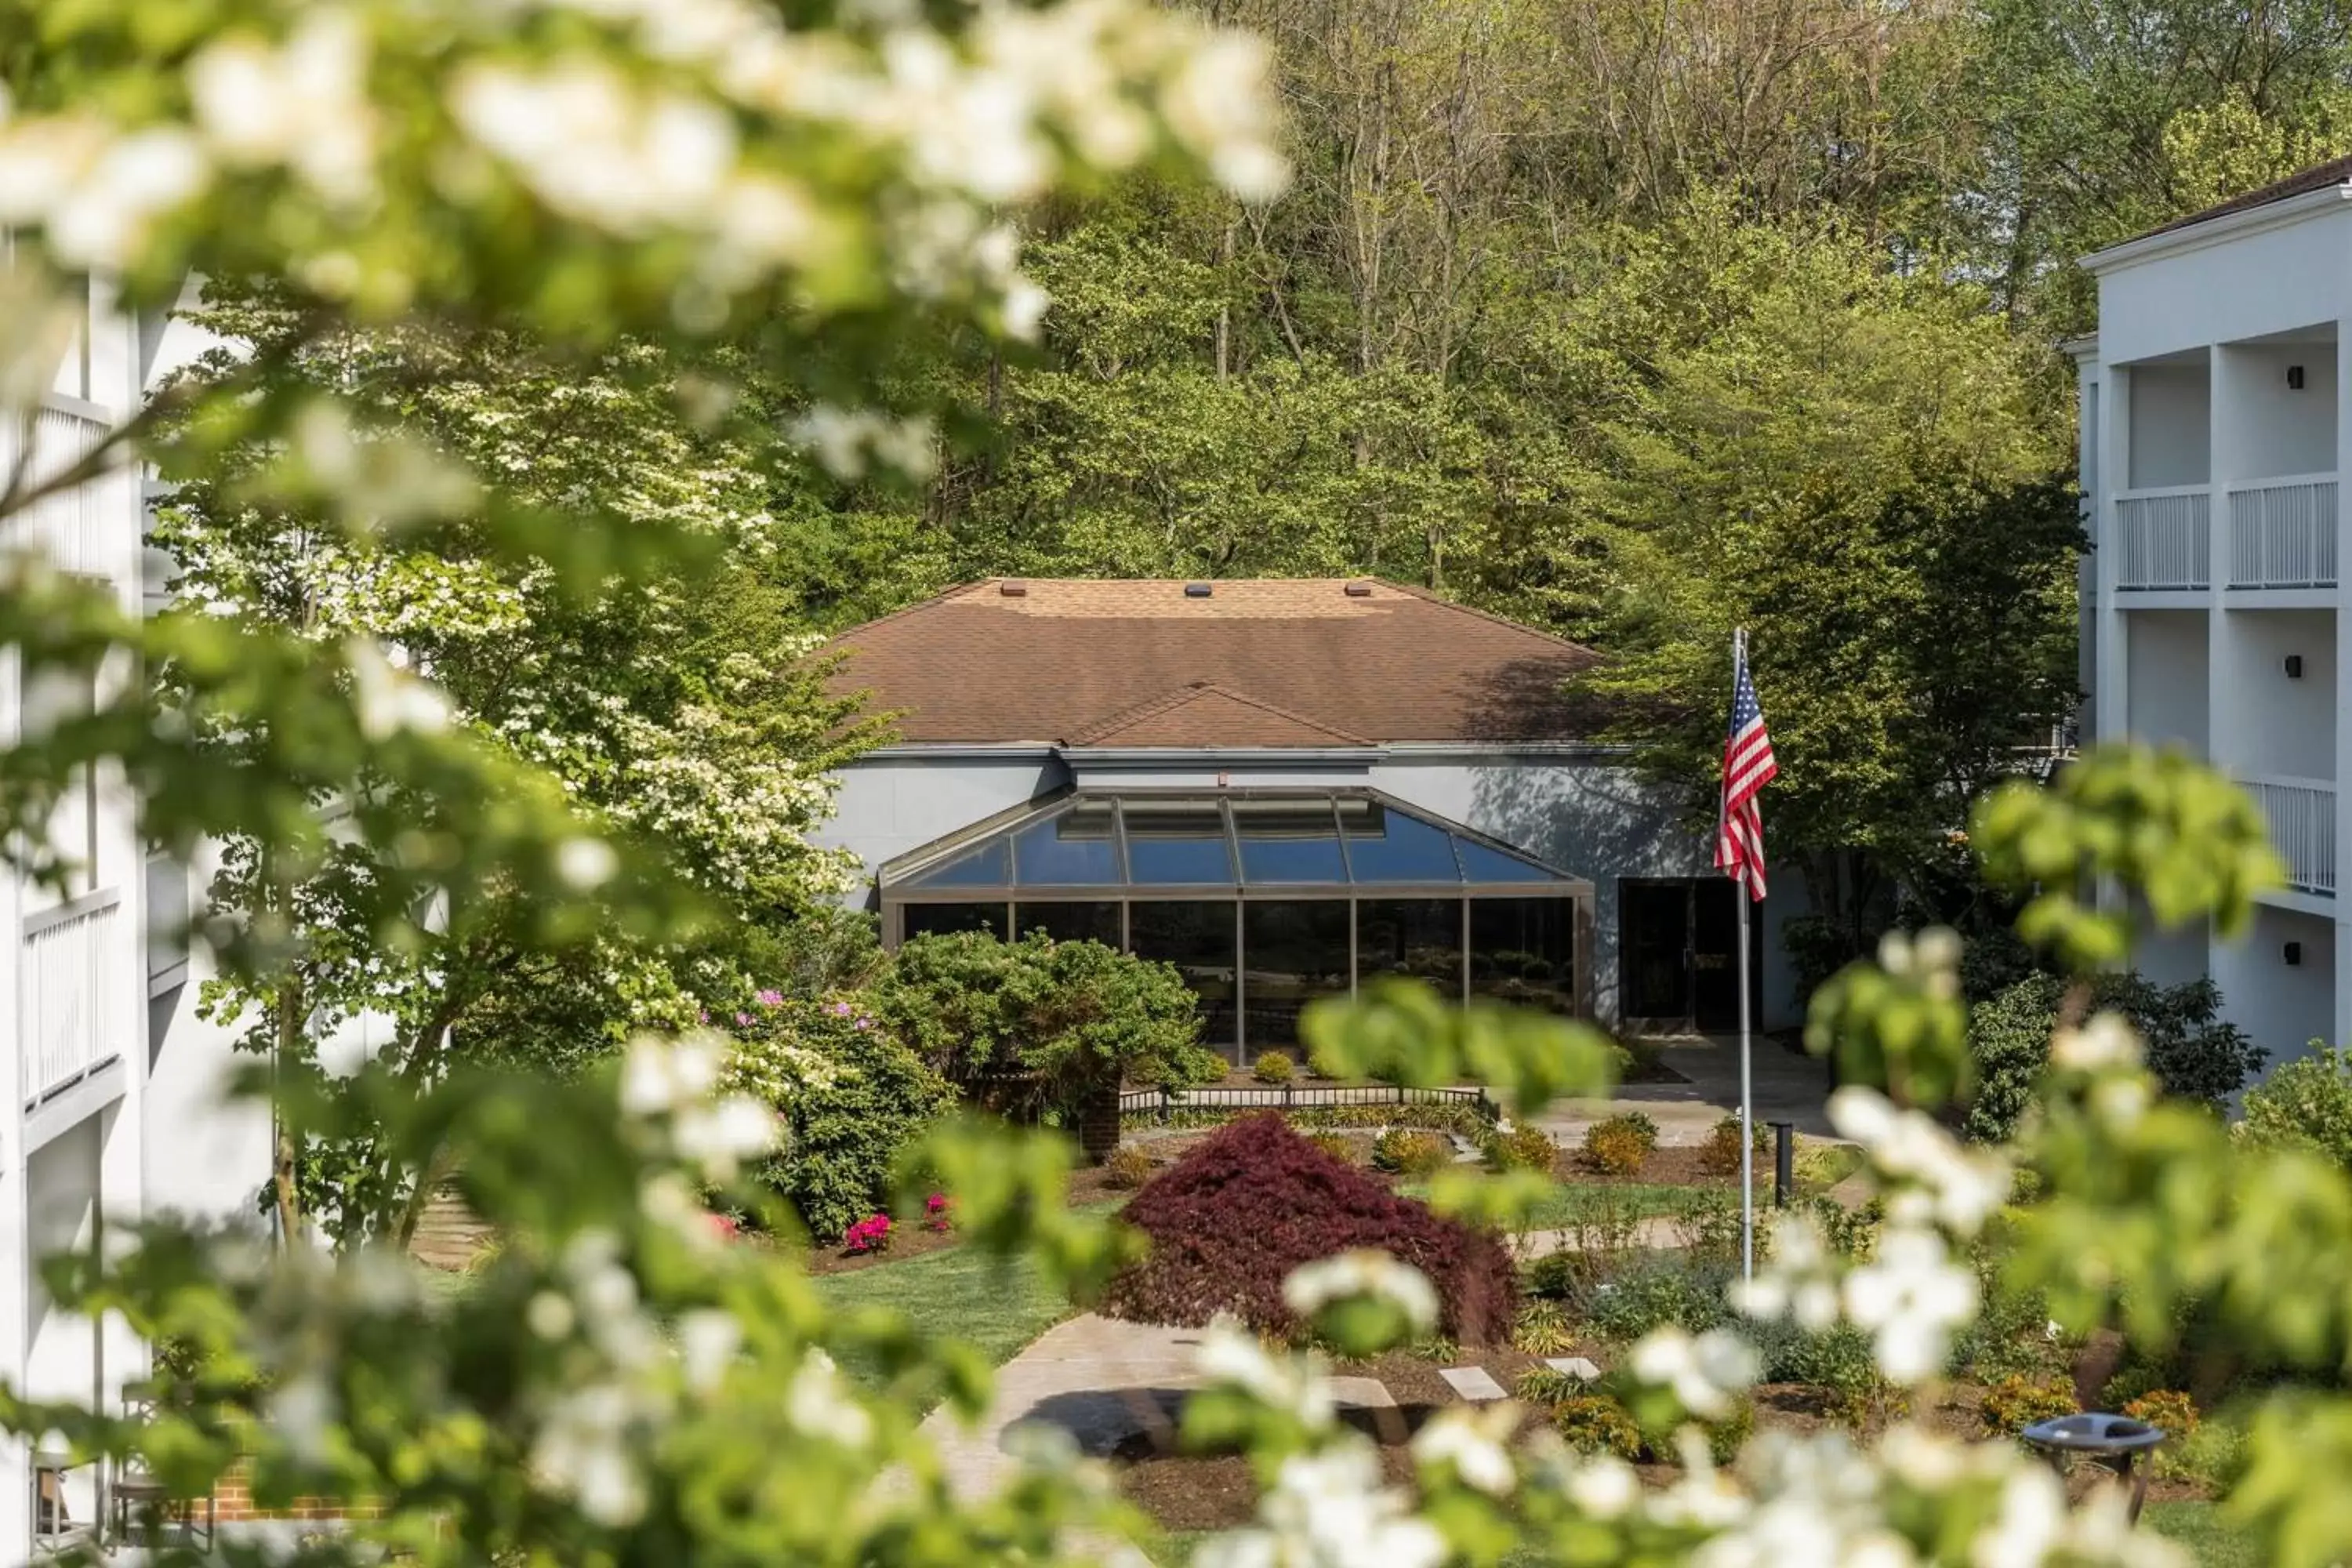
(2199, 1527)
(998, 1308)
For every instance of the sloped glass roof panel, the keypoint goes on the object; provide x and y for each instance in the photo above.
(1177, 842)
(1385, 845)
(1289, 840)
(985, 867)
(1075, 849)
(1484, 863)
(1094, 843)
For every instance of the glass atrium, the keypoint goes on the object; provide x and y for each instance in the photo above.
(1263, 899)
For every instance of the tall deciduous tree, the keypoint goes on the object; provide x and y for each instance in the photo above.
(679, 712)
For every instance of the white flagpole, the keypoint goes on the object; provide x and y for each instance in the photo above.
(1746, 1070)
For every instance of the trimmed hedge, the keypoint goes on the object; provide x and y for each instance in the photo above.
(1231, 1219)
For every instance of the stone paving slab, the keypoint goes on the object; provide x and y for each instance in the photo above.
(1474, 1383)
(1362, 1394)
(1656, 1233)
(1574, 1366)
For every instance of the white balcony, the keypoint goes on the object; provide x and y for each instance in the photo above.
(2302, 814)
(78, 529)
(76, 1005)
(2164, 538)
(2283, 533)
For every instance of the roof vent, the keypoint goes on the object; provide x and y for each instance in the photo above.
(1197, 590)
(1359, 590)
(1013, 590)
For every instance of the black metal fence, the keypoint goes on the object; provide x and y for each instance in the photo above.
(1149, 1104)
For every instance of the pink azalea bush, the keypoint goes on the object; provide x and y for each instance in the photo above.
(871, 1234)
(935, 1213)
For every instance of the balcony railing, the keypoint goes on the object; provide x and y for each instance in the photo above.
(2302, 814)
(2164, 538)
(75, 528)
(2282, 534)
(74, 1001)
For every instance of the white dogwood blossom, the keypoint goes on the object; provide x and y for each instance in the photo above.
(1705, 1374)
(1329, 1510)
(1797, 1282)
(1910, 1297)
(1475, 1442)
(1961, 1188)
(1364, 1271)
(1230, 1355)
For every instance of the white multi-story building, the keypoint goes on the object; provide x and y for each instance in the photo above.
(2212, 429)
(109, 1104)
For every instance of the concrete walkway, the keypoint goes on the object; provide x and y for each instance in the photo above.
(1787, 1088)
(1097, 1378)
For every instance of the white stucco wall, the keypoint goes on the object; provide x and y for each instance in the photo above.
(2165, 686)
(2171, 425)
(894, 803)
(2283, 1006)
(2248, 285)
(2265, 427)
(2270, 723)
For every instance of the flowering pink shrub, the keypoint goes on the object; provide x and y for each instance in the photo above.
(727, 1225)
(871, 1234)
(936, 1214)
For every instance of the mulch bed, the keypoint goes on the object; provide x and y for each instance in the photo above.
(910, 1238)
(1191, 1492)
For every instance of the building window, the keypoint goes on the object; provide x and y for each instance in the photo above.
(1418, 938)
(1070, 920)
(1523, 951)
(945, 920)
(1294, 951)
(1197, 937)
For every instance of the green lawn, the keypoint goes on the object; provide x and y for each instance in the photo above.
(2199, 1526)
(998, 1307)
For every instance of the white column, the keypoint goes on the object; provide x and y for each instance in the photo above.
(2341, 1021)
(2109, 701)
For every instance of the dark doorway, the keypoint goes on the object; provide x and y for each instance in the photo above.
(1679, 956)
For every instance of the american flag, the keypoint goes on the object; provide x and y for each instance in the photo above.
(1748, 767)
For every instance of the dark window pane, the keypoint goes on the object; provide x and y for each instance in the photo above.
(1288, 840)
(1198, 939)
(1076, 919)
(1293, 952)
(1480, 864)
(1074, 850)
(1524, 951)
(1177, 841)
(941, 919)
(1387, 846)
(1421, 938)
(986, 867)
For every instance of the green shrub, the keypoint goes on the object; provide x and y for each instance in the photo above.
(1339, 1146)
(1542, 1329)
(1459, 1117)
(848, 1128)
(1615, 1148)
(2306, 1103)
(2013, 1403)
(1726, 1436)
(1555, 1276)
(1720, 1155)
(1272, 1067)
(1524, 1148)
(1597, 1424)
(1542, 1387)
(1032, 1027)
(1408, 1152)
(2193, 1052)
(1128, 1167)
(1654, 1295)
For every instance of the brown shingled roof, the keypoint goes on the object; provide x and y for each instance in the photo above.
(1258, 662)
(2318, 177)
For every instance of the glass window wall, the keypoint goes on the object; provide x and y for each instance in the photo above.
(1197, 937)
(1418, 938)
(1294, 951)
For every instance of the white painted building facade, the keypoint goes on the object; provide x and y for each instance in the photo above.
(2213, 432)
(111, 1110)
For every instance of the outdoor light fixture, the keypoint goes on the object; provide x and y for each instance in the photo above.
(2294, 667)
(2295, 378)
(1196, 590)
(1013, 590)
(2294, 954)
(1358, 590)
